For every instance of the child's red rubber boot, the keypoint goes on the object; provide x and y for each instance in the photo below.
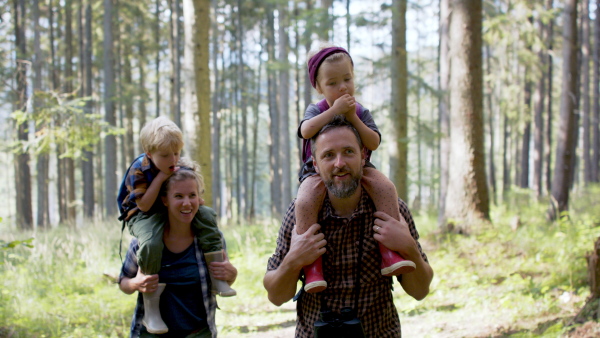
(314, 277)
(392, 264)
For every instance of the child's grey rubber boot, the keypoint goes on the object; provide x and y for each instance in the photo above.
(219, 287)
(152, 319)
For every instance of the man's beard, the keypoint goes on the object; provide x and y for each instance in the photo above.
(345, 188)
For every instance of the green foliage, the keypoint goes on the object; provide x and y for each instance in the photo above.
(12, 244)
(64, 122)
(503, 281)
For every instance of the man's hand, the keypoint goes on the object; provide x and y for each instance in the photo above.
(306, 248)
(394, 234)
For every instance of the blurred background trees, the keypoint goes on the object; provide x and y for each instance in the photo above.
(82, 77)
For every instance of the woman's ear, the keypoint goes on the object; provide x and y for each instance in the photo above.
(164, 200)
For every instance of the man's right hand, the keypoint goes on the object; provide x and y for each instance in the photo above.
(306, 248)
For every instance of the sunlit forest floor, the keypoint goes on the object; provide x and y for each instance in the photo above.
(520, 276)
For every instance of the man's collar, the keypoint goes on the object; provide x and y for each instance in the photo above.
(328, 210)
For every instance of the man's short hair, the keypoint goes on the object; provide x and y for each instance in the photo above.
(338, 121)
(161, 134)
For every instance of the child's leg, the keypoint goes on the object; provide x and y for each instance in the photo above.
(209, 238)
(384, 196)
(309, 200)
(148, 229)
(382, 191)
(206, 229)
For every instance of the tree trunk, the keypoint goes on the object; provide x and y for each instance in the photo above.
(201, 70)
(87, 165)
(216, 108)
(110, 142)
(308, 30)
(491, 127)
(444, 118)
(325, 21)
(255, 106)
(467, 201)
(242, 203)
(175, 61)
(399, 94)
(538, 115)
(548, 129)
(143, 94)
(190, 106)
(129, 94)
(43, 210)
(566, 137)
(596, 117)
(23, 175)
(284, 108)
(60, 175)
(526, 140)
(585, 94)
(157, 41)
(274, 128)
(69, 88)
(505, 160)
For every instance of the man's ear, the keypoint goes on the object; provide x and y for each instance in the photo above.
(315, 164)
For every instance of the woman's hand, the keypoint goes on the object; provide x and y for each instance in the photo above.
(223, 270)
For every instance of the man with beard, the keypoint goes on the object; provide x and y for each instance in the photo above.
(347, 238)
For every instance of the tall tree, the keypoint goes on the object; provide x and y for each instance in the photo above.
(566, 137)
(538, 113)
(110, 142)
(189, 104)
(467, 201)
(216, 108)
(526, 139)
(399, 96)
(69, 164)
(548, 129)
(596, 97)
(87, 165)
(242, 203)
(274, 128)
(585, 90)
(444, 116)
(157, 40)
(23, 176)
(201, 70)
(284, 107)
(174, 42)
(43, 209)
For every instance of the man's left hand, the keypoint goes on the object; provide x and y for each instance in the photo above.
(393, 234)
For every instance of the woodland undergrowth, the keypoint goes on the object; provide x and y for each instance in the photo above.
(520, 275)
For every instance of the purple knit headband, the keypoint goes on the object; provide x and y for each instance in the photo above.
(315, 62)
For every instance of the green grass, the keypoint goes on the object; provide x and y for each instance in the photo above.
(492, 282)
